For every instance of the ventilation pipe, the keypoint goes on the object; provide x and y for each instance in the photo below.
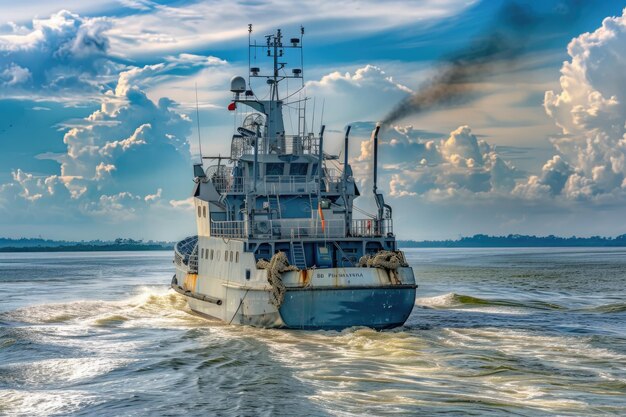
(345, 161)
(320, 165)
(380, 201)
(375, 146)
(347, 215)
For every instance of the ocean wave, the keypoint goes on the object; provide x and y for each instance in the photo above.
(148, 303)
(606, 308)
(454, 300)
(45, 403)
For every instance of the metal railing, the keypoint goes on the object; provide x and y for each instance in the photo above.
(269, 184)
(371, 227)
(279, 229)
(301, 228)
(308, 228)
(186, 254)
(224, 182)
(193, 262)
(232, 229)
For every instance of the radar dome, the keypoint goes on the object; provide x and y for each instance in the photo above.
(238, 84)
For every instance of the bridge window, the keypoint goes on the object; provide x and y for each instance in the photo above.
(313, 169)
(298, 169)
(274, 168)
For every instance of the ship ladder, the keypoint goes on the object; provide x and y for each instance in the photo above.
(297, 253)
(273, 201)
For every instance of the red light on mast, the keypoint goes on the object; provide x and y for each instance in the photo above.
(232, 106)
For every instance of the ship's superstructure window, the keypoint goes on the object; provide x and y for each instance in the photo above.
(225, 256)
(199, 211)
(314, 169)
(274, 168)
(202, 253)
(211, 254)
(204, 211)
(237, 256)
(298, 169)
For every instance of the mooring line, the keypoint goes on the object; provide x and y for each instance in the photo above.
(239, 306)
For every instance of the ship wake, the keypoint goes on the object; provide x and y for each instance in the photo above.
(149, 303)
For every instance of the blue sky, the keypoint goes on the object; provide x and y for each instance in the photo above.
(97, 111)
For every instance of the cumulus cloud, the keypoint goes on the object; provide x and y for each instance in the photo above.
(69, 57)
(130, 145)
(15, 75)
(53, 54)
(437, 168)
(356, 95)
(103, 170)
(590, 109)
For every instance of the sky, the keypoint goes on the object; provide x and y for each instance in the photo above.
(98, 110)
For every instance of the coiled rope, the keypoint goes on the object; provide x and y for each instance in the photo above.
(275, 268)
(384, 259)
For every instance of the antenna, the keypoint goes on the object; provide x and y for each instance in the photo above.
(198, 120)
(322, 117)
(249, 63)
(313, 119)
(302, 54)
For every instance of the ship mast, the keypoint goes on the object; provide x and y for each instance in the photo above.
(275, 49)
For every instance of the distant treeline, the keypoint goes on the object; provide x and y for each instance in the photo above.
(476, 241)
(485, 241)
(47, 245)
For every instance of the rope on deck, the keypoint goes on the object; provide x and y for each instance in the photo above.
(275, 268)
(384, 259)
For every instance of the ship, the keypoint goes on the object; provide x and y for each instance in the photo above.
(277, 243)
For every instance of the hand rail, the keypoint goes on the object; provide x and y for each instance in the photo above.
(230, 228)
(296, 229)
(273, 184)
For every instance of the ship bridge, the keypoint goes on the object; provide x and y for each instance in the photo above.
(276, 190)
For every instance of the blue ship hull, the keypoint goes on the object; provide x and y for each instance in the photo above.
(340, 308)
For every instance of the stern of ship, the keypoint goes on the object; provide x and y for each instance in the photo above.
(338, 298)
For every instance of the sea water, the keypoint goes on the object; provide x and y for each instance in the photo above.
(494, 331)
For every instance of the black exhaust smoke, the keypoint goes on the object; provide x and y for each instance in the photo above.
(515, 29)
